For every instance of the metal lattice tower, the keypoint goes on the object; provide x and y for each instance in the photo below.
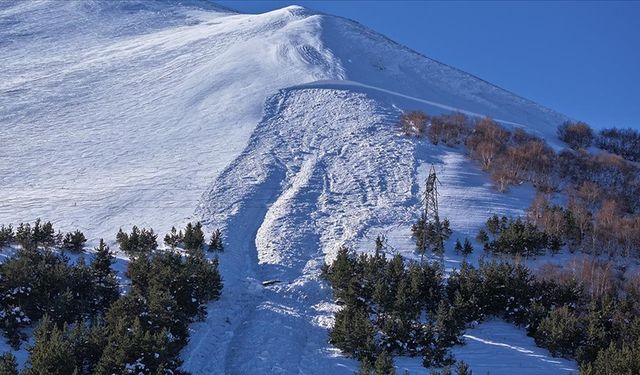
(430, 217)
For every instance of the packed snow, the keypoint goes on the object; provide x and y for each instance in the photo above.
(278, 128)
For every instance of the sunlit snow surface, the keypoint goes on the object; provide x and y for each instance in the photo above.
(279, 128)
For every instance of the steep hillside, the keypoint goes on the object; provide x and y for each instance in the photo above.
(277, 127)
(114, 112)
(325, 168)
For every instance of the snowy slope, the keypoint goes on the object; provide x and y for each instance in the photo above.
(326, 167)
(114, 114)
(277, 127)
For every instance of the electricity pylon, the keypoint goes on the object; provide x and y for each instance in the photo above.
(431, 233)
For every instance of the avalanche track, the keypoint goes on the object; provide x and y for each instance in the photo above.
(308, 179)
(324, 167)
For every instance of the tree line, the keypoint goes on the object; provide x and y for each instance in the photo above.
(601, 186)
(86, 323)
(394, 307)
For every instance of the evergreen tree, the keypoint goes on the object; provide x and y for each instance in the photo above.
(43, 233)
(204, 281)
(427, 339)
(164, 313)
(448, 328)
(78, 335)
(555, 243)
(405, 304)
(384, 364)
(366, 367)
(193, 236)
(132, 350)
(382, 297)
(397, 331)
(74, 241)
(51, 351)
(431, 234)
(24, 236)
(458, 247)
(139, 271)
(483, 237)
(463, 369)
(615, 360)
(379, 245)
(446, 370)
(6, 235)
(493, 225)
(341, 271)
(58, 239)
(173, 238)
(104, 279)
(8, 364)
(139, 242)
(215, 243)
(353, 333)
(467, 248)
(78, 295)
(560, 332)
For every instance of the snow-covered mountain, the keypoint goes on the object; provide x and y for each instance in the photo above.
(278, 127)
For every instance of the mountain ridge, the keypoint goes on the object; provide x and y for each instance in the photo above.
(280, 128)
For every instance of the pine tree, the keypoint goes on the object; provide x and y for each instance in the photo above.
(458, 247)
(427, 339)
(493, 225)
(366, 367)
(6, 235)
(193, 236)
(463, 369)
(380, 242)
(215, 243)
(483, 237)
(397, 332)
(104, 279)
(43, 233)
(405, 304)
(382, 297)
(74, 241)
(78, 336)
(79, 292)
(173, 238)
(51, 351)
(446, 370)
(24, 236)
(164, 313)
(615, 360)
(384, 364)
(139, 242)
(560, 332)
(448, 329)
(341, 271)
(8, 364)
(467, 248)
(353, 333)
(204, 281)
